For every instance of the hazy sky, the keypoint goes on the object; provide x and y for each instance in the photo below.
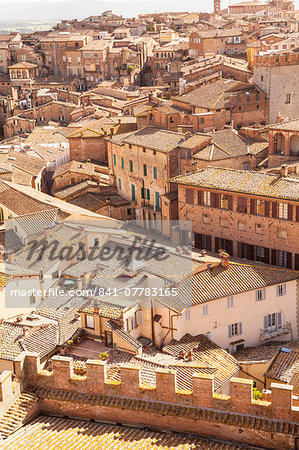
(60, 9)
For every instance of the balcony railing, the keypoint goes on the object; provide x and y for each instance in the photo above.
(269, 334)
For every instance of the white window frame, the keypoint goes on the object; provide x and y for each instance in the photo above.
(281, 290)
(205, 310)
(90, 322)
(187, 315)
(283, 211)
(207, 198)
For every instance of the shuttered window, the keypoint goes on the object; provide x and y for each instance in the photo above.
(190, 196)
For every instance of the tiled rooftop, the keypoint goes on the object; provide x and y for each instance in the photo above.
(285, 363)
(154, 138)
(218, 282)
(48, 432)
(240, 181)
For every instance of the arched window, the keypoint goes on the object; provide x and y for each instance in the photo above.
(294, 147)
(171, 120)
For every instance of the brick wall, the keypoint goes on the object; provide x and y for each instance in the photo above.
(236, 417)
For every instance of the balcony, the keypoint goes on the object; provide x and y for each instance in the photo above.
(269, 334)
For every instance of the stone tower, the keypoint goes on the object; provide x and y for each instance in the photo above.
(217, 6)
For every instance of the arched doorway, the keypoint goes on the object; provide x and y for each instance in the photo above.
(279, 144)
(294, 145)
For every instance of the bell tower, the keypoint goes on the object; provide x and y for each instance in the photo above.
(217, 6)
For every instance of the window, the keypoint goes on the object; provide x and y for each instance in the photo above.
(119, 184)
(282, 210)
(288, 98)
(281, 290)
(207, 198)
(64, 59)
(260, 295)
(201, 120)
(132, 322)
(208, 335)
(187, 314)
(262, 77)
(89, 322)
(114, 160)
(245, 166)
(282, 258)
(140, 317)
(230, 302)
(69, 59)
(133, 189)
(205, 310)
(189, 196)
(242, 205)
(157, 200)
(131, 165)
(147, 194)
(171, 120)
(144, 170)
(122, 163)
(260, 207)
(155, 173)
(272, 322)
(235, 329)
(224, 200)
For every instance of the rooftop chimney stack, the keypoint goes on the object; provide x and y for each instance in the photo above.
(224, 258)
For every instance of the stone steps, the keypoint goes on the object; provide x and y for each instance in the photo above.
(15, 415)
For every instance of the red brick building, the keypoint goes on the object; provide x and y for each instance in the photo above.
(251, 215)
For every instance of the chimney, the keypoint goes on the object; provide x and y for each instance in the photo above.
(81, 229)
(79, 283)
(224, 259)
(284, 170)
(10, 256)
(26, 331)
(47, 232)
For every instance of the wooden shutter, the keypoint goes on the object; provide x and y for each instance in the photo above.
(265, 323)
(289, 260)
(297, 213)
(198, 240)
(264, 294)
(267, 208)
(240, 253)
(273, 257)
(279, 321)
(290, 212)
(217, 244)
(250, 252)
(267, 255)
(229, 247)
(297, 261)
(217, 200)
(252, 206)
(240, 328)
(230, 202)
(209, 243)
(274, 210)
(200, 197)
(189, 196)
(229, 331)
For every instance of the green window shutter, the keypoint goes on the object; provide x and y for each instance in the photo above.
(133, 192)
(148, 194)
(122, 163)
(119, 183)
(114, 160)
(131, 166)
(144, 170)
(142, 192)
(155, 173)
(157, 200)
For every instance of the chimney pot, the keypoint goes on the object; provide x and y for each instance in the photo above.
(224, 258)
(47, 232)
(10, 257)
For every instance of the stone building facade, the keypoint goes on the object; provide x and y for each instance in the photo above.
(277, 76)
